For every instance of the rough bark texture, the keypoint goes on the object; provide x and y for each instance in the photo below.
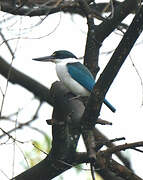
(70, 117)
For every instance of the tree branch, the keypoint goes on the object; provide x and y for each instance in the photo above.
(17, 77)
(97, 34)
(65, 137)
(101, 138)
(43, 7)
(104, 82)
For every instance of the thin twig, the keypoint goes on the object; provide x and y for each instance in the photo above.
(123, 147)
(9, 72)
(14, 146)
(1, 91)
(70, 165)
(140, 78)
(40, 37)
(117, 139)
(38, 130)
(4, 174)
(136, 149)
(23, 154)
(39, 149)
(7, 44)
(103, 122)
(92, 171)
(22, 124)
(10, 137)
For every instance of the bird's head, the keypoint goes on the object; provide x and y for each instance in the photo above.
(57, 56)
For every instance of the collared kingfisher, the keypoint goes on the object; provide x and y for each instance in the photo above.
(74, 75)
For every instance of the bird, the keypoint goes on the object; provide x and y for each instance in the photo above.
(74, 75)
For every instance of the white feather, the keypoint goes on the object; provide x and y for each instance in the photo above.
(68, 81)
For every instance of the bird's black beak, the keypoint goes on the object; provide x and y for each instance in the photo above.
(45, 59)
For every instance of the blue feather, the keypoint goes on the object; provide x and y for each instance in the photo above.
(84, 77)
(81, 74)
(109, 105)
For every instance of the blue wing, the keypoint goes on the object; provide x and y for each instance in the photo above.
(81, 74)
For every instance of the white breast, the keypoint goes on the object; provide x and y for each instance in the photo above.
(70, 83)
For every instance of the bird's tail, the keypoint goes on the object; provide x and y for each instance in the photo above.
(109, 105)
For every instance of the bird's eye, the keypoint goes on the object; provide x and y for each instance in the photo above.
(54, 54)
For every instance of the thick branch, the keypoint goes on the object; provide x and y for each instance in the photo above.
(124, 172)
(43, 7)
(17, 77)
(97, 34)
(101, 138)
(120, 12)
(105, 80)
(65, 137)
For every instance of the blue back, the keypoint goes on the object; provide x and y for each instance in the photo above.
(81, 74)
(84, 77)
